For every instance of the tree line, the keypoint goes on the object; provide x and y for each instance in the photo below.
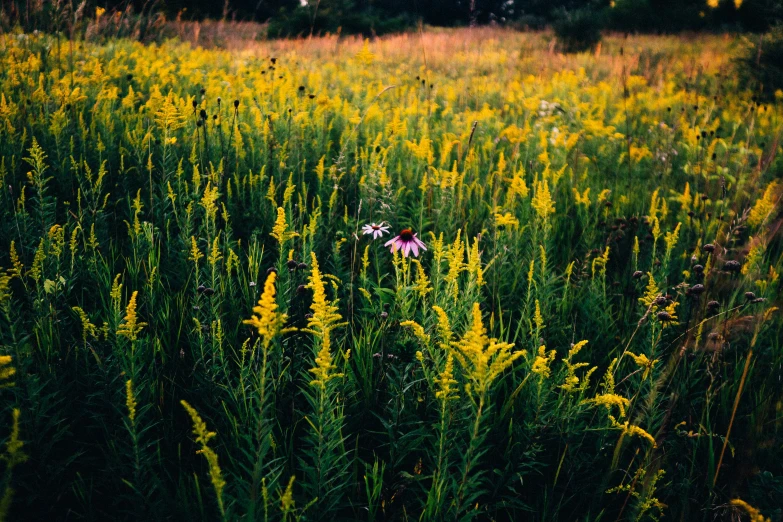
(301, 17)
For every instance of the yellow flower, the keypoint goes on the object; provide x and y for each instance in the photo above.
(203, 436)
(538, 319)
(6, 371)
(195, 253)
(542, 361)
(632, 430)
(324, 367)
(765, 205)
(483, 358)
(754, 514)
(600, 263)
(279, 231)
(446, 382)
(418, 330)
(88, 329)
(583, 198)
(422, 285)
(130, 401)
(506, 220)
(651, 291)
(571, 380)
(131, 327)
(642, 361)
(608, 400)
(266, 319)
(287, 498)
(325, 316)
(365, 56)
(542, 202)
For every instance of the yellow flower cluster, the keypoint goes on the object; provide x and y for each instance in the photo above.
(131, 326)
(203, 436)
(266, 319)
(483, 359)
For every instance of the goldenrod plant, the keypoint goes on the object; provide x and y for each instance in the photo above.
(453, 275)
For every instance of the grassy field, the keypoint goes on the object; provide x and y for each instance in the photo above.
(576, 321)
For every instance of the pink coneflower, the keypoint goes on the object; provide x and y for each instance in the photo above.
(407, 242)
(376, 230)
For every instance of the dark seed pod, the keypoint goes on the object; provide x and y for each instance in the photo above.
(209, 292)
(660, 300)
(637, 274)
(308, 316)
(664, 316)
(300, 289)
(271, 269)
(732, 266)
(758, 300)
(713, 336)
(292, 264)
(697, 289)
(384, 315)
(709, 247)
(302, 266)
(713, 305)
(311, 96)
(201, 289)
(750, 296)
(199, 122)
(236, 104)
(203, 114)
(698, 269)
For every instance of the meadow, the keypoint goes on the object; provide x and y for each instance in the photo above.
(446, 275)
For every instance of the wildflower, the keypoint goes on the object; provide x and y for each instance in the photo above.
(632, 430)
(571, 380)
(446, 382)
(375, 229)
(280, 230)
(324, 365)
(407, 242)
(506, 220)
(203, 435)
(130, 401)
(267, 320)
(6, 371)
(324, 317)
(482, 357)
(287, 498)
(542, 361)
(754, 514)
(642, 361)
(131, 326)
(418, 330)
(542, 202)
